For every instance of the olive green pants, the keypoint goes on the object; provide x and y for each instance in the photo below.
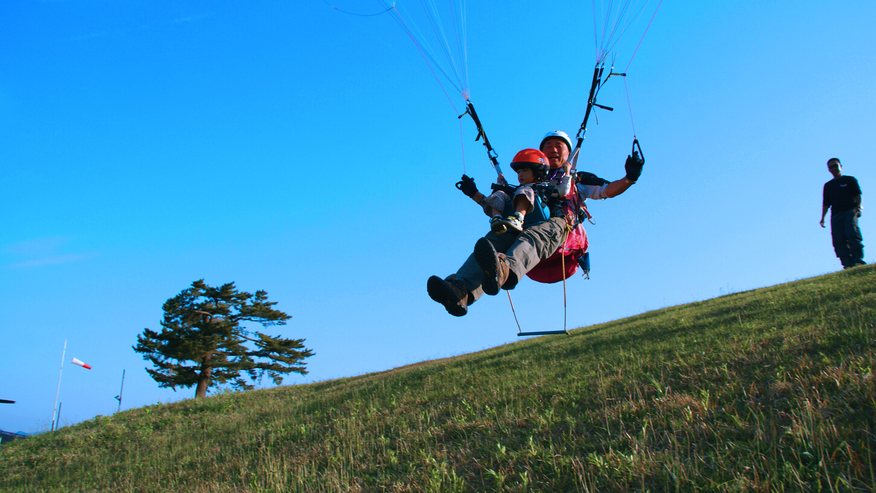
(522, 252)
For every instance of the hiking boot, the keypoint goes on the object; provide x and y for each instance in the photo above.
(493, 264)
(450, 293)
(514, 222)
(497, 225)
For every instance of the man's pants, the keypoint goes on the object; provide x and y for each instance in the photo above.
(847, 237)
(523, 251)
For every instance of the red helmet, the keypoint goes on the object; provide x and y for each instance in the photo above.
(532, 158)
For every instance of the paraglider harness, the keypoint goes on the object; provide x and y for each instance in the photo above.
(546, 206)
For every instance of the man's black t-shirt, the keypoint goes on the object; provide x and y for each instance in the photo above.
(839, 194)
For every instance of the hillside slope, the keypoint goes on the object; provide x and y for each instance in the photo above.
(770, 389)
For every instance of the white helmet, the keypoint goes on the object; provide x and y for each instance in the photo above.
(556, 134)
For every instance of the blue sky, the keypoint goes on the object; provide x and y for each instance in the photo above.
(289, 147)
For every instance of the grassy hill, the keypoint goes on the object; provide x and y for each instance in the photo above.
(765, 390)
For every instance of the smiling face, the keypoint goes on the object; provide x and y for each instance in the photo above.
(556, 151)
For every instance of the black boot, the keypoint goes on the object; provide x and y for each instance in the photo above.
(493, 264)
(450, 293)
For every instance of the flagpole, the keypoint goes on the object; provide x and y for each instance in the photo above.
(119, 397)
(55, 408)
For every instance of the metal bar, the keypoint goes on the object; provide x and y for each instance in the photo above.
(542, 333)
(56, 409)
(121, 389)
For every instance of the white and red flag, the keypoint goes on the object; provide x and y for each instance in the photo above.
(83, 365)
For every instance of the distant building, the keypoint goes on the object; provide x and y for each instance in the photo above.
(8, 436)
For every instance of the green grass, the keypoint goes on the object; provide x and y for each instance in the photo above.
(764, 390)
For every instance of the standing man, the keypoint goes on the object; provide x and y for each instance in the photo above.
(842, 196)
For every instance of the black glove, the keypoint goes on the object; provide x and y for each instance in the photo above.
(586, 178)
(467, 185)
(633, 166)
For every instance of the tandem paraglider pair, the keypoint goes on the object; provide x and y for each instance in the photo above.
(543, 236)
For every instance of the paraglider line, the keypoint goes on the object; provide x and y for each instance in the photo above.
(643, 35)
(360, 15)
(622, 13)
(461, 46)
(563, 264)
(462, 144)
(439, 34)
(595, 36)
(424, 58)
(616, 22)
(630, 106)
(513, 312)
(426, 52)
(464, 47)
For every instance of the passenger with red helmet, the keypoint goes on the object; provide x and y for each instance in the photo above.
(532, 167)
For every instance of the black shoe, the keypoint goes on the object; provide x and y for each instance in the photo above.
(450, 293)
(493, 265)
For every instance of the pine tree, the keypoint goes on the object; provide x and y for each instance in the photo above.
(202, 343)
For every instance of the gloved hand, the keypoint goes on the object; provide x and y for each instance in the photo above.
(586, 178)
(467, 185)
(633, 166)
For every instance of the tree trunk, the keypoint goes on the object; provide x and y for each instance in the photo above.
(204, 378)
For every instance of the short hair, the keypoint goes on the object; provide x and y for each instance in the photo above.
(834, 159)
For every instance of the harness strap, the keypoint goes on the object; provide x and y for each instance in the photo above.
(491, 153)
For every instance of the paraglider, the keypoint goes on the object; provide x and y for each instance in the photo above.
(554, 248)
